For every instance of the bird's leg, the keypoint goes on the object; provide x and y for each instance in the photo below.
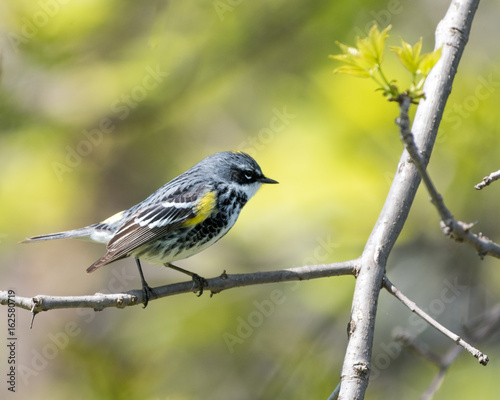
(147, 291)
(197, 279)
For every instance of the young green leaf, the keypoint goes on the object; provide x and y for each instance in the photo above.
(413, 61)
(372, 47)
(365, 61)
(356, 64)
(428, 60)
(409, 55)
(366, 58)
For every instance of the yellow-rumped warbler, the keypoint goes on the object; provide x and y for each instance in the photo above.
(182, 218)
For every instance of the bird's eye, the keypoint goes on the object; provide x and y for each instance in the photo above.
(244, 176)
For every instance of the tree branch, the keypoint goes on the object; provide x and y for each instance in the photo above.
(458, 230)
(487, 180)
(482, 358)
(100, 301)
(476, 331)
(452, 34)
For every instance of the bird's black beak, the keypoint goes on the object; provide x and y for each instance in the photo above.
(267, 180)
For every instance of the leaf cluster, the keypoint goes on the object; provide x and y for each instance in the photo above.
(365, 61)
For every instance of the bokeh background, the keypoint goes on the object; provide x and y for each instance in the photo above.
(103, 102)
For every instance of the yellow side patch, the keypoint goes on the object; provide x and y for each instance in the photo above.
(113, 218)
(204, 209)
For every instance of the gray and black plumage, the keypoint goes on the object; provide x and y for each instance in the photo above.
(182, 218)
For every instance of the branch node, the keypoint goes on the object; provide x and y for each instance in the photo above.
(482, 358)
(120, 302)
(361, 368)
(351, 327)
(36, 302)
(467, 226)
(447, 227)
(487, 180)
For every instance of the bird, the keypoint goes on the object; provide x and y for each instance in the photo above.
(182, 218)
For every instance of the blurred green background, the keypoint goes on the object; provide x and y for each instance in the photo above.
(101, 103)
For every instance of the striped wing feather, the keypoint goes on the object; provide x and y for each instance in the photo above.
(149, 224)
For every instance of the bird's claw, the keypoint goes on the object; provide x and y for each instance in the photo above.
(199, 284)
(147, 293)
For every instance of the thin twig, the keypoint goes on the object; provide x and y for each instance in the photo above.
(487, 180)
(101, 301)
(477, 331)
(458, 230)
(488, 325)
(482, 358)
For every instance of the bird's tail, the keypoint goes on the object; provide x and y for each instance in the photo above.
(99, 263)
(82, 233)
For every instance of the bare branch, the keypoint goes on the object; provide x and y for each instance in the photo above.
(487, 180)
(476, 331)
(482, 358)
(101, 301)
(489, 325)
(458, 230)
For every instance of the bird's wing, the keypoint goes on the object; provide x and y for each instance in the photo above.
(157, 220)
